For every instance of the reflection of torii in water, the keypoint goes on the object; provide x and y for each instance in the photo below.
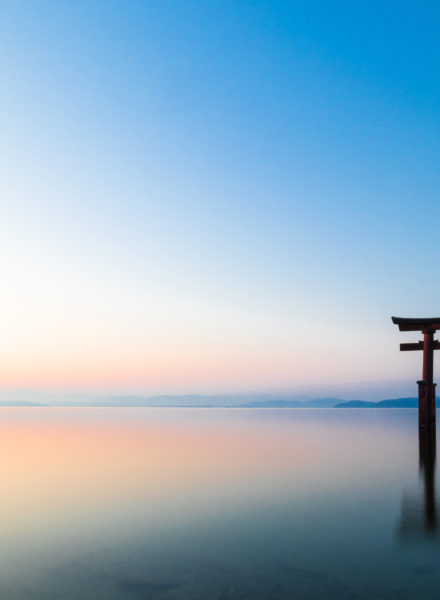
(427, 459)
(419, 514)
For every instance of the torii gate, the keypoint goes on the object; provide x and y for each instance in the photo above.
(426, 385)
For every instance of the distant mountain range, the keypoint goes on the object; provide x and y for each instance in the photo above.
(391, 403)
(200, 401)
(21, 403)
(292, 403)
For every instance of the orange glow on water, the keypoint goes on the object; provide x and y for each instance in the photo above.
(58, 461)
(56, 466)
(76, 480)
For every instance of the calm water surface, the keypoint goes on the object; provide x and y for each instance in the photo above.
(138, 504)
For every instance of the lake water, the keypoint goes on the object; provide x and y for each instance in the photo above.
(167, 504)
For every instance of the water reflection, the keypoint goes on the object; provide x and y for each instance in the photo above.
(419, 510)
(126, 504)
(427, 460)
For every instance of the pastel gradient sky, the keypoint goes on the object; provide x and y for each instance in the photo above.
(216, 196)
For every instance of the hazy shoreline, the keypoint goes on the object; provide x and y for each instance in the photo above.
(215, 402)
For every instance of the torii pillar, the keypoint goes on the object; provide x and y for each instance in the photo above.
(426, 385)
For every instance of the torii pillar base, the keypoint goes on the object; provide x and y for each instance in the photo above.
(426, 405)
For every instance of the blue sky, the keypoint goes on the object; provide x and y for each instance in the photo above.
(216, 196)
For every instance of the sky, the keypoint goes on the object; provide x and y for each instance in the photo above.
(215, 197)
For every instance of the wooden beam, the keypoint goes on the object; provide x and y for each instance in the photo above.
(417, 346)
(429, 325)
(408, 347)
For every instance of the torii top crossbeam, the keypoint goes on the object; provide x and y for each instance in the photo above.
(426, 325)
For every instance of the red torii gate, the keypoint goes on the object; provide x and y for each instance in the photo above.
(426, 385)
